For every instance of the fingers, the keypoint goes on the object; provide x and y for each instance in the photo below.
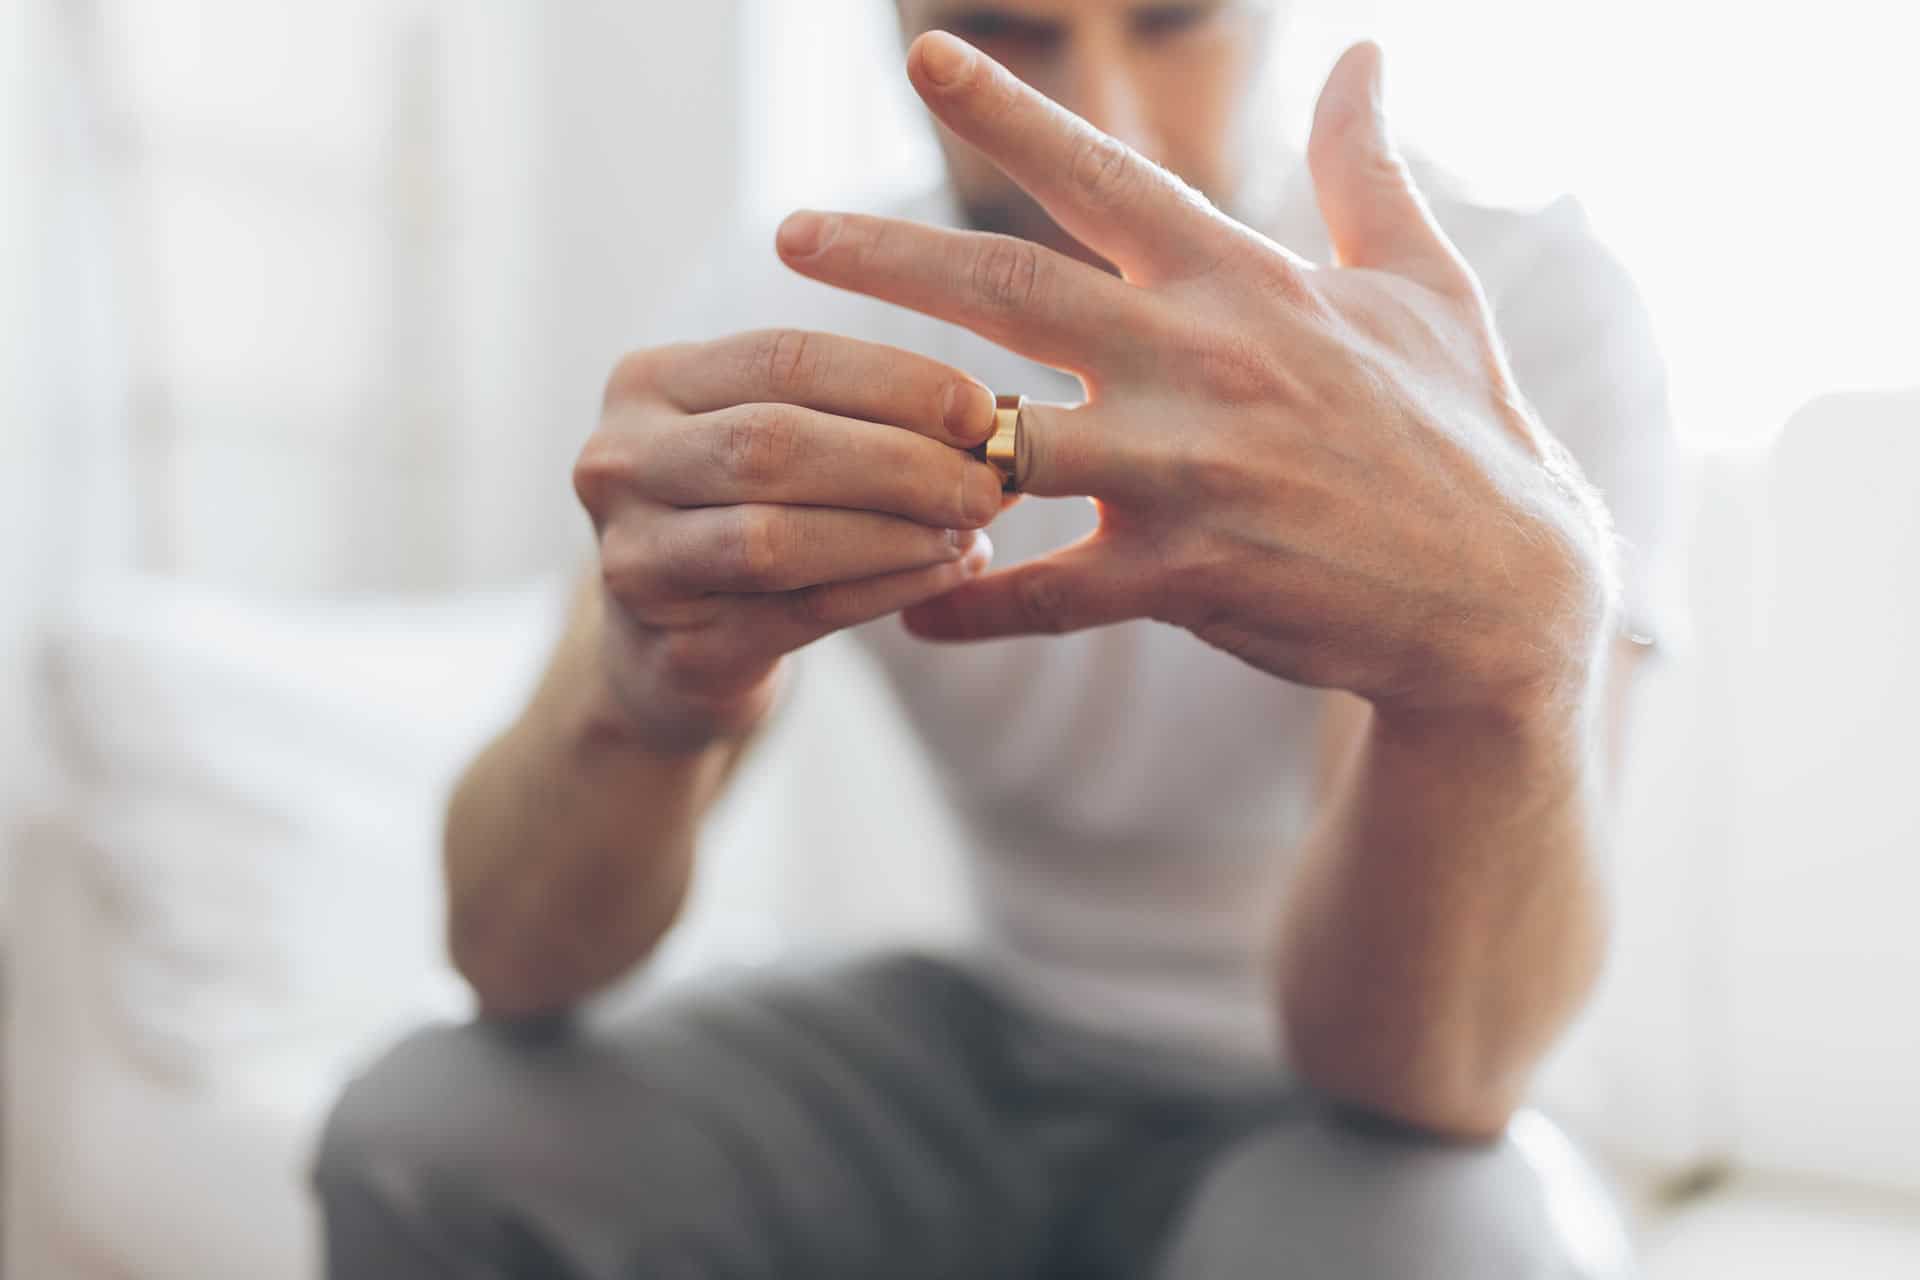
(759, 548)
(745, 632)
(1086, 585)
(819, 371)
(775, 453)
(802, 617)
(1375, 215)
(1012, 292)
(1130, 211)
(1083, 450)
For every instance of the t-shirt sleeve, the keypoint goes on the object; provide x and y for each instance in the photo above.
(1582, 347)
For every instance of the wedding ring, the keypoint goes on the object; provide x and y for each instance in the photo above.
(1002, 448)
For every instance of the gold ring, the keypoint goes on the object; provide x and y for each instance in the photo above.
(1002, 448)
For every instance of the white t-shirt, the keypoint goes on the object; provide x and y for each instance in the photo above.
(1130, 795)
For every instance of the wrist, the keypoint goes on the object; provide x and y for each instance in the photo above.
(660, 719)
(1550, 697)
(1539, 668)
(1547, 712)
(1472, 736)
(681, 723)
(618, 700)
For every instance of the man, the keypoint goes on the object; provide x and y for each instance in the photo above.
(1286, 776)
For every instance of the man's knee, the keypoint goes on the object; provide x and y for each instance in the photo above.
(414, 1107)
(391, 1124)
(443, 1144)
(1323, 1198)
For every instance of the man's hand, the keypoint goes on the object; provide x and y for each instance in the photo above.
(755, 493)
(1327, 472)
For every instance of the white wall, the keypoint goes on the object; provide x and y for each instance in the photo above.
(63, 508)
(21, 457)
(377, 258)
(1824, 875)
(639, 172)
(322, 295)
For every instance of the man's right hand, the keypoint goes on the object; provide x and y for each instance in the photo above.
(755, 493)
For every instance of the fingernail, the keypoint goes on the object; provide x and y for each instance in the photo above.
(976, 561)
(946, 59)
(969, 411)
(804, 234)
(962, 540)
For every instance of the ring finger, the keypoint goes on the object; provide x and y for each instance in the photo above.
(766, 547)
(754, 628)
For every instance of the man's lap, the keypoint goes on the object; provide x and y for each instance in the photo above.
(895, 1118)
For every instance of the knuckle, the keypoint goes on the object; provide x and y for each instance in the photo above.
(1006, 273)
(757, 444)
(1102, 169)
(787, 361)
(633, 376)
(997, 96)
(627, 572)
(602, 469)
(865, 242)
(1275, 276)
(756, 547)
(1241, 371)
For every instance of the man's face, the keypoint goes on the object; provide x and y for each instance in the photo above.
(1174, 80)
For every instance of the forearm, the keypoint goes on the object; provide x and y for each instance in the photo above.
(568, 847)
(1448, 917)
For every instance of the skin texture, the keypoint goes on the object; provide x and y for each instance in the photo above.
(1328, 473)
(731, 533)
(755, 493)
(1331, 475)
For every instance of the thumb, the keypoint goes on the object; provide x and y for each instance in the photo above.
(1375, 215)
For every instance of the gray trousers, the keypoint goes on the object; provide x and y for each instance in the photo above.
(898, 1119)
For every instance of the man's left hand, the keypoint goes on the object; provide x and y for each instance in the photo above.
(1328, 472)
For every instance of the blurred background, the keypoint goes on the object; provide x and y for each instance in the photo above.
(305, 306)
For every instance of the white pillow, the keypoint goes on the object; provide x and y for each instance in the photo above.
(260, 783)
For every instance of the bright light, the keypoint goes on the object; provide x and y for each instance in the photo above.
(1754, 165)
